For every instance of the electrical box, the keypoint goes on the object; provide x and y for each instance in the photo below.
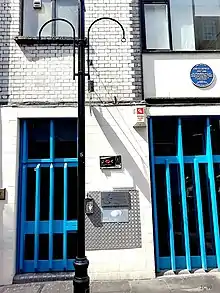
(140, 116)
(37, 4)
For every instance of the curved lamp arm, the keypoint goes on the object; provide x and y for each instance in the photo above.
(74, 37)
(103, 18)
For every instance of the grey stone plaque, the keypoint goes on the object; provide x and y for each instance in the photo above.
(115, 199)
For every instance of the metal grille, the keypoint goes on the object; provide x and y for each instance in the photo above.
(185, 173)
(47, 227)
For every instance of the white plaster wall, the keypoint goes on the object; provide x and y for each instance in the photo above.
(109, 131)
(168, 75)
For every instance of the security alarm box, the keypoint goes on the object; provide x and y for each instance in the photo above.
(37, 4)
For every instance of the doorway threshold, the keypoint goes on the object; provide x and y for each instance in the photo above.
(42, 277)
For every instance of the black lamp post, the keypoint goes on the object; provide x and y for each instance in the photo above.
(81, 278)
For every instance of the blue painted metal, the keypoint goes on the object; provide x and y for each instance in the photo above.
(183, 193)
(188, 261)
(181, 262)
(38, 226)
(51, 207)
(154, 196)
(65, 174)
(23, 215)
(49, 161)
(200, 215)
(170, 218)
(24, 152)
(52, 140)
(213, 191)
(43, 265)
(47, 165)
(37, 218)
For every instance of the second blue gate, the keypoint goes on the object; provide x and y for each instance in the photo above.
(185, 177)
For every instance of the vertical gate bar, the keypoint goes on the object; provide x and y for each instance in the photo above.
(25, 142)
(183, 195)
(23, 215)
(65, 175)
(51, 213)
(23, 191)
(212, 191)
(52, 139)
(37, 218)
(170, 217)
(154, 195)
(200, 215)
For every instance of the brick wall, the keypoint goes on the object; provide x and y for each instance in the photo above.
(43, 73)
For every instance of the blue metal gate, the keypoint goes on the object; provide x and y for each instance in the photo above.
(47, 192)
(185, 176)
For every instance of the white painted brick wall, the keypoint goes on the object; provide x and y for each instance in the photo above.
(44, 73)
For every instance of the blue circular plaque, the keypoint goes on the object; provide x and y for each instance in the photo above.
(201, 75)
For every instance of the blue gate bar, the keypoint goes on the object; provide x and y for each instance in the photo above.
(183, 193)
(200, 215)
(51, 216)
(24, 193)
(154, 195)
(65, 186)
(23, 215)
(170, 218)
(37, 218)
(52, 140)
(213, 191)
(25, 142)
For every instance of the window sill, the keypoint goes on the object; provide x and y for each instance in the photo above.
(23, 40)
(179, 51)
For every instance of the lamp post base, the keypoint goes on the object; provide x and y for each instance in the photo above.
(81, 278)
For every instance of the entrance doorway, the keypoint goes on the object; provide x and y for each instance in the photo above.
(47, 214)
(185, 177)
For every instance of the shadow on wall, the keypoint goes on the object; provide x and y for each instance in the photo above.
(128, 161)
(38, 52)
(5, 22)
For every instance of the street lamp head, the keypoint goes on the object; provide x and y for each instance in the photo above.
(123, 40)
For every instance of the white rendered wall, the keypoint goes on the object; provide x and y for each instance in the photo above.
(168, 75)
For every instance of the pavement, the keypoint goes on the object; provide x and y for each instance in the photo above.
(208, 283)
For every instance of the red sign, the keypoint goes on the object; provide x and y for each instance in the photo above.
(140, 111)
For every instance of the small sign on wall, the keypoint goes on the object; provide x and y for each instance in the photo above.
(110, 162)
(140, 116)
(201, 75)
